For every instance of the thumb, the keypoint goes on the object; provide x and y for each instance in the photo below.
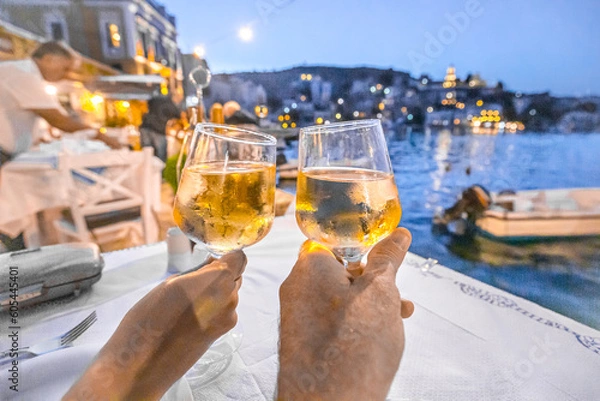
(236, 263)
(387, 255)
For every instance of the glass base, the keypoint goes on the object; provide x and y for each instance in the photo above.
(201, 375)
(216, 359)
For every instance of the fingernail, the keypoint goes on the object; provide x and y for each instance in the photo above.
(311, 246)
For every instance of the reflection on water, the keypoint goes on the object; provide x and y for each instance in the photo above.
(433, 168)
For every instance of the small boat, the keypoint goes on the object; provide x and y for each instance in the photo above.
(524, 216)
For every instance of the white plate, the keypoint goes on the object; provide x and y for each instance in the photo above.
(48, 377)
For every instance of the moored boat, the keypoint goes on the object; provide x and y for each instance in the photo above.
(522, 216)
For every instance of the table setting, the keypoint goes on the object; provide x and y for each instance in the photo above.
(33, 182)
(466, 340)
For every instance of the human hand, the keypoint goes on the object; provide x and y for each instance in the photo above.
(164, 334)
(342, 334)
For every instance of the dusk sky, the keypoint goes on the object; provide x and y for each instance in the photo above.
(532, 46)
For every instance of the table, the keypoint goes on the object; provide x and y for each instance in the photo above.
(465, 341)
(32, 183)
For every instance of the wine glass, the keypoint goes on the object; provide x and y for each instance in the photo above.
(226, 194)
(346, 196)
(225, 201)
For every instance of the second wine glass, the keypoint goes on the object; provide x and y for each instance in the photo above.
(346, 195)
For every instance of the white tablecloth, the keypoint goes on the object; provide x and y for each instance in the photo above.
(465, 341)
(32, 183)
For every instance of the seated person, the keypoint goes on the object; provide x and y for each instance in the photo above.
(327, 314)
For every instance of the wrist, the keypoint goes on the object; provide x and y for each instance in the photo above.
(119, 372)
(104, 377)
(350, 366)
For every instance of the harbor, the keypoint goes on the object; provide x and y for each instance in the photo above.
(299, 200)
(432, 169)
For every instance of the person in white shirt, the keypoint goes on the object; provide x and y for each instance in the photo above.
(25, 97)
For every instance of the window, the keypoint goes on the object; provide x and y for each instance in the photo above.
(55, 25)
(151, 49)
(113, 42)
(56, 31)
(171, 58)
(140, 46)
(113, 35)
(160, 52)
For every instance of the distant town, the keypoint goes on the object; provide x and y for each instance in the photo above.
(131, 38)
(311, 95)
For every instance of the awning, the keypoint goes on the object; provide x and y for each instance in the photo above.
(127, 87)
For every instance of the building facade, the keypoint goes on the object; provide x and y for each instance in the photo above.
(133, 36)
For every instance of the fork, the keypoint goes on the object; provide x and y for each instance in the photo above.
(63, 341)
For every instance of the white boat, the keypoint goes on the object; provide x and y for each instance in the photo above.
(530, 215)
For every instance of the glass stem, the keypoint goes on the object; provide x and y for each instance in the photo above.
(355, 268)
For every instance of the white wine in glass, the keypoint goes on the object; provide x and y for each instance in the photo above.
(226, 195)
(346, 196)
(226, 208)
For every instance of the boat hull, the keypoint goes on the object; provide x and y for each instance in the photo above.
(519, 227)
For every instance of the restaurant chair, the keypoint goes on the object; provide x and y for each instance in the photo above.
(110, 197)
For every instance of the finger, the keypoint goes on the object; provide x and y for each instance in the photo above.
(314, 248)
(235, 298)
(209, 260)
(387, 255)
(355, 269)
(206, 262)
(316, 260)
(235, 262)
(238, 284)
(311, 255)
(407, 308)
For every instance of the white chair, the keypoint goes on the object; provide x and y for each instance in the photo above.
(111, 197)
